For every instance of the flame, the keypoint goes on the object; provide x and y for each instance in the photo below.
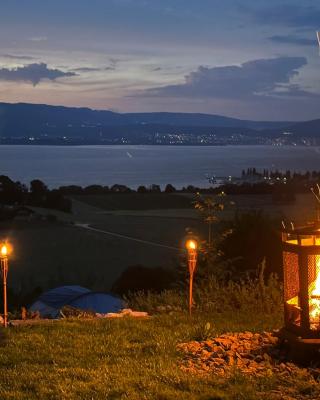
(314, 290)
(191, 245)
(4, 250)
(314, 302)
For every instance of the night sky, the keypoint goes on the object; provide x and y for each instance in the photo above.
(252, 59)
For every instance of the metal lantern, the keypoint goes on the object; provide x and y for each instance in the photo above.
(301, 275)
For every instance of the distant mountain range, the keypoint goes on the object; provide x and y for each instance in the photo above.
(38, 120)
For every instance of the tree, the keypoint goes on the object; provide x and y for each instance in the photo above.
(142, 189)
(120, 189)
(37, 187)
(56, 200)
(140, 278)
(209, 208)
(155, 188)
(252, 237)
(38, 192)
(11, 192)
(94, 189)
(170, 189)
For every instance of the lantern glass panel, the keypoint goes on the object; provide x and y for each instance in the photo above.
(291, 288)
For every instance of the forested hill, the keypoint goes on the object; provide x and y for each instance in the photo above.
(38, 120)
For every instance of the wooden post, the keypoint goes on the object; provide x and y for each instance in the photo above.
(192, 261)
(4, 270)
(190, 293)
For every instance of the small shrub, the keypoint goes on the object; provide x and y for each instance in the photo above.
(204, 332)
(249, 296)
(139, 278)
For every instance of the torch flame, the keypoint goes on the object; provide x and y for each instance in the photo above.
(191, 245)
(4, 250)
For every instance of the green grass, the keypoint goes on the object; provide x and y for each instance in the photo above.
(120, 359)
(137, 359)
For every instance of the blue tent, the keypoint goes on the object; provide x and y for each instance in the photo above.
(50, 303)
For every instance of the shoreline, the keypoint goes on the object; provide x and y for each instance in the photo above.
(64, 144)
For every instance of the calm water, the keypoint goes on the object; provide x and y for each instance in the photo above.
(144, 165)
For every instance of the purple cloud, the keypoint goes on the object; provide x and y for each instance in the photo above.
(249, 80)
(33, 73)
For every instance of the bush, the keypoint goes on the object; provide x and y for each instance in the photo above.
(138, 278)
(252, 238)
(249, 296)
(170, 189)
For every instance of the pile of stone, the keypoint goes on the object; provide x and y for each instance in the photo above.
(250, 353)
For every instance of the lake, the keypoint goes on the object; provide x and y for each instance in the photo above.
(145, 165)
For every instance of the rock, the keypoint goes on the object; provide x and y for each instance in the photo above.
(266, 357)
(230, 360)
(282, 366)
(251, 353)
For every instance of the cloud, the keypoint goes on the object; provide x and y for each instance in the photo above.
(94, 69)
(113, 64)
(33, 73)
(86, 69)
(16, 57)
(247, 81)
(38, 39)
(291, 39)
(294, 90)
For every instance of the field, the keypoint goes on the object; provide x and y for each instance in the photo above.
(49, 254)
(138, 201)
